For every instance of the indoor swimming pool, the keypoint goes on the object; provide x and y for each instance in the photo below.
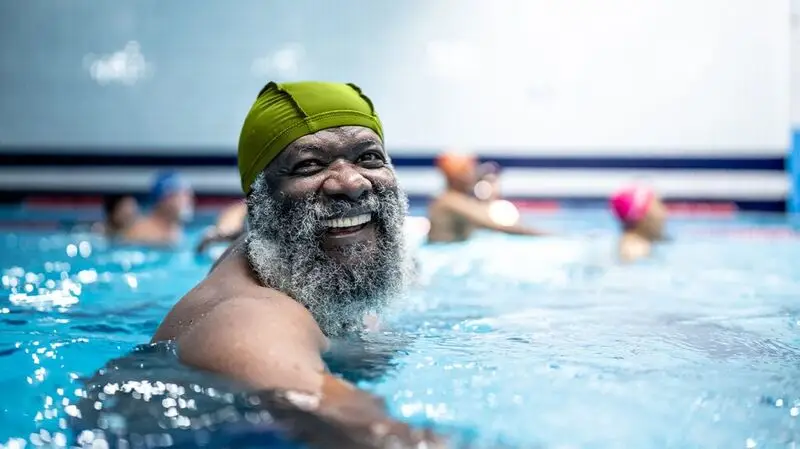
(503, 341)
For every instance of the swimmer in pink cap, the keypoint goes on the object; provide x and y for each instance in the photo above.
(642, 215)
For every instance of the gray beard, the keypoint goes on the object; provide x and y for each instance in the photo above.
(284, 248)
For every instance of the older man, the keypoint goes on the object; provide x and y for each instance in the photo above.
(324, 248)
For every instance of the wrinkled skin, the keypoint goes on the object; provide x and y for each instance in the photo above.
(289, 248)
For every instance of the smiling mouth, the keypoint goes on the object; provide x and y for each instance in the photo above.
(347, 225)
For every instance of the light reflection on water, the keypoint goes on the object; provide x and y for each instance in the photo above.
(535, 343)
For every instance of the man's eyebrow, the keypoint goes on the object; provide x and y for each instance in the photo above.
(309, 149)
(366, 143)
(312, 149)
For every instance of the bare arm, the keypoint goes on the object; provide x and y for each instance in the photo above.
(478, 215)
(229, 226)
(231, 220)
(277, 347)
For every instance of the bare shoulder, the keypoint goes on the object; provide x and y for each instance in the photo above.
(226, 281)
(437, 202)
(438, 208)
(266, 341)
(457, 200)
(235, 249)
(140, 228)
(143, 231)
(268, 318)
(208, 307)
(632, 248)
(229, 298)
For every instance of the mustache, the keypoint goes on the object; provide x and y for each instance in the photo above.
(369, 204)
(292, 218)
(320, 209)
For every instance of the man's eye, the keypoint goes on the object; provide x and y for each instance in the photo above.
(372, 159)
(307, 166)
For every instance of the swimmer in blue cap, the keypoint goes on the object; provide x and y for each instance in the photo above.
(172, 201)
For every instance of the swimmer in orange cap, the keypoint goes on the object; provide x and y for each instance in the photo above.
(642, 215)
(456, 213)
(488, 186)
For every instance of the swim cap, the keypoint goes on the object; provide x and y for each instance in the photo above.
(631, 203)
(454, 164)
(167, 183)
(284, 112)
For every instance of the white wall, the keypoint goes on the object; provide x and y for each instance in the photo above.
(598, 78)
(795, 63)
(516, 76)
(605, 76)
(793, 164)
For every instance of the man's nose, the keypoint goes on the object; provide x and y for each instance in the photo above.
(345, 181)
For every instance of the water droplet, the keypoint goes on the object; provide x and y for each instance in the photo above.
(72, 250)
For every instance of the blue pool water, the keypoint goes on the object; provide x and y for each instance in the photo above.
(505, 340)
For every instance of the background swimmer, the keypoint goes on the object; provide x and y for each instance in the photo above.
(456, 213)
(173, 206)
(120, 212)
(488, 186)
(642, 215)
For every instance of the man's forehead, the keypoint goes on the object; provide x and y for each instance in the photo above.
(336, 136)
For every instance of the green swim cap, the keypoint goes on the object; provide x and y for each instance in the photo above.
(284, 112)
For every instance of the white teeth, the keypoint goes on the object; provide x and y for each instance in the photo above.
(348, 222)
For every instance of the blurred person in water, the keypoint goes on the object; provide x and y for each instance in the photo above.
(322, 254)
(457, 212)
(487, 187)
(642, 215)
(120, 212)
(172, 198)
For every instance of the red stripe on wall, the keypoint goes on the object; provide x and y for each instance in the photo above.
(714, 209)
(63, 201)
(538, 206)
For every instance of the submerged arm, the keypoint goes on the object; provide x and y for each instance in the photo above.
(277, 349)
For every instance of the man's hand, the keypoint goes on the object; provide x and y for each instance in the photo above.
(366, 414)
(351, 419)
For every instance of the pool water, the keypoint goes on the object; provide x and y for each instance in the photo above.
(504, 341)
